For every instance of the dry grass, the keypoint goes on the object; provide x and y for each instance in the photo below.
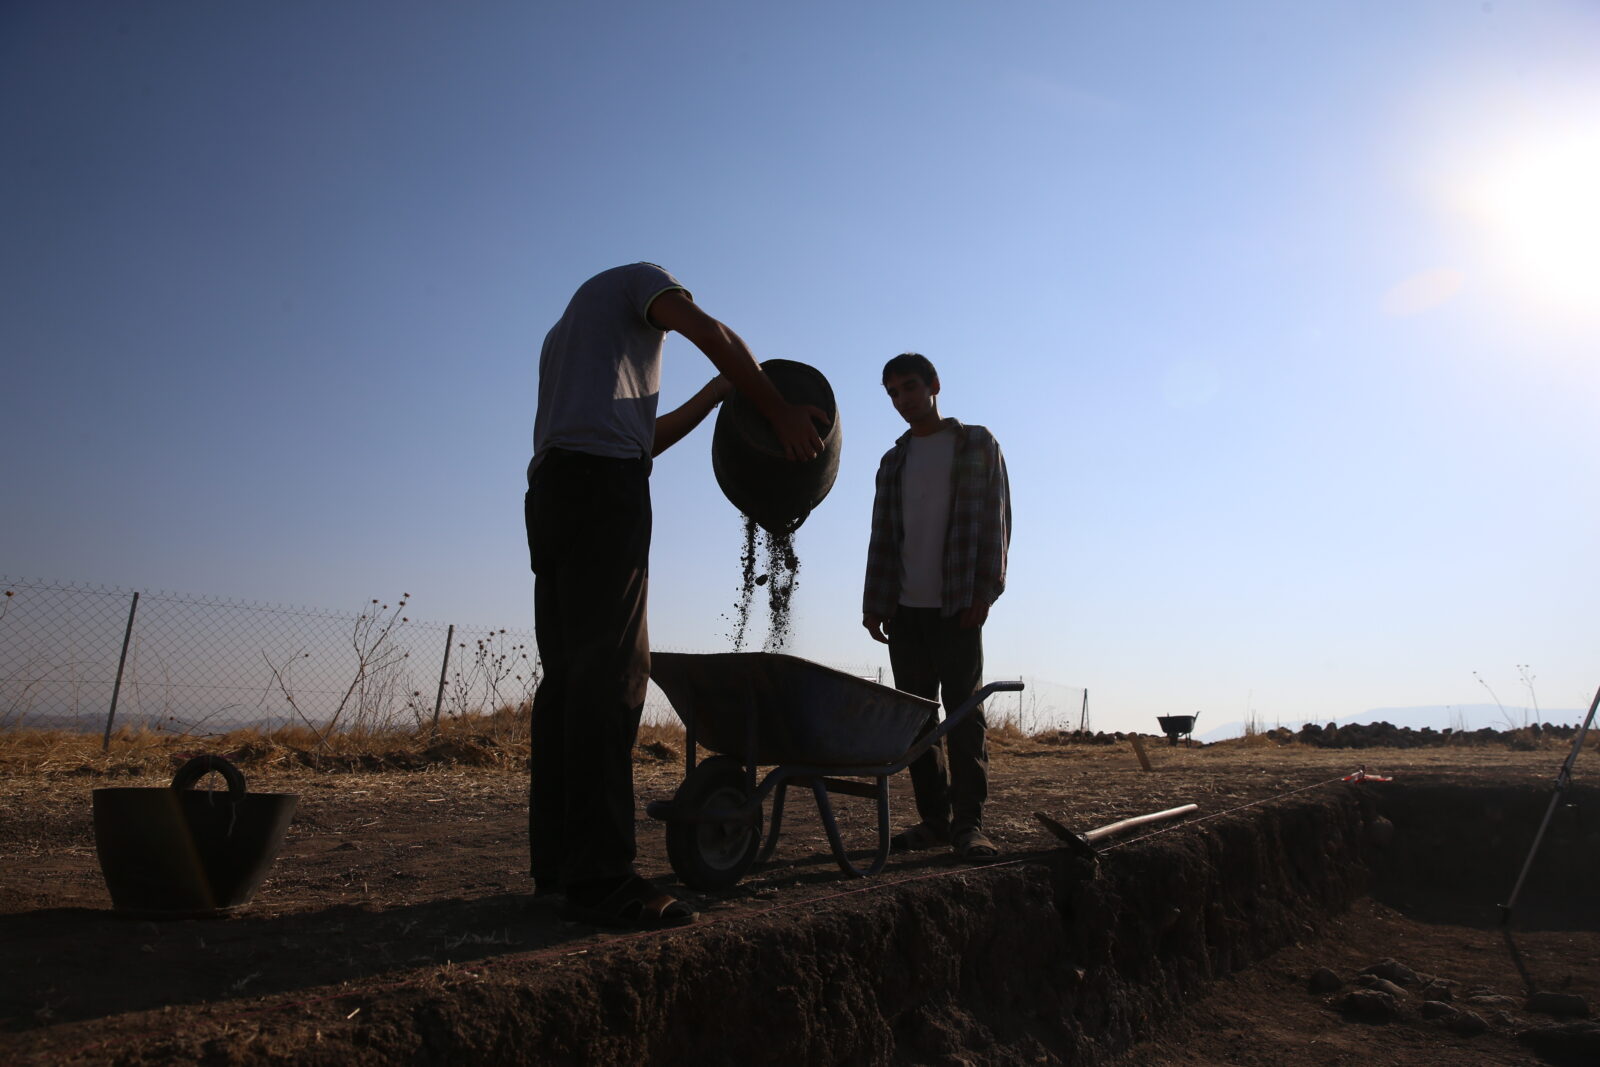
(496, 739)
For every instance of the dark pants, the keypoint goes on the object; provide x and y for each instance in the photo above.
(588, 521)
(934, 657)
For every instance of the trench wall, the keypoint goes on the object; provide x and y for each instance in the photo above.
(1045, 959)
(1460, 848)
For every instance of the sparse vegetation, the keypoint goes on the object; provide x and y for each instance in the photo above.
(1512, 721)
(373, 689)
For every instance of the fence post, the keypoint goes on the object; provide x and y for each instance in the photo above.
(449, 639)
(116, 688)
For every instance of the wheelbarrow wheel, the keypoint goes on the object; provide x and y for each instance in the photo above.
(708, 851)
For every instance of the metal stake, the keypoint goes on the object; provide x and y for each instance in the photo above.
(449, 639)
(1563, 782)
(116, 689)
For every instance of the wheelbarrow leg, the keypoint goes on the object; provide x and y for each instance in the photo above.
(771, 843)
(819, 789)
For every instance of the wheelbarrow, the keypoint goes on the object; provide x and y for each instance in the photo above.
(1178, 726)
(813, 725)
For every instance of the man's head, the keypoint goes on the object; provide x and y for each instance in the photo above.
(911, 363)
(913, 385)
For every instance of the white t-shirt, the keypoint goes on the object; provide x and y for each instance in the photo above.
(925, 506)
(600, 368)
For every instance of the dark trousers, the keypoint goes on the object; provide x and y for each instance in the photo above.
(588, 520)
(934, 657)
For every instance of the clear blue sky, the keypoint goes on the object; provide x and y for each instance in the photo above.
(1285, 314)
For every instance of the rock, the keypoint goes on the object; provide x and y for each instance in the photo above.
(1369, 1006)
(1466, 1023)
(1561, 1005)
(1322, 981)
(1437, 989)
(1383, 985)
(1568, 1043)
(1394, 971)
(1438, 1009)
(1381, 831)
(1492, 1000)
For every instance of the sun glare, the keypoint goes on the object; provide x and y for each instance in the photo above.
(1539, 203)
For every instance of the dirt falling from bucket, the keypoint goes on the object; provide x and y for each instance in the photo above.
(767, 559)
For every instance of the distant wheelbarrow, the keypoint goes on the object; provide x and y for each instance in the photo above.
(1176, 726)
(813, 725)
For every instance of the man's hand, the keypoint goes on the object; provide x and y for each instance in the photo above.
(796, 428)
(973, 617)
(877, 626)
(675, 425)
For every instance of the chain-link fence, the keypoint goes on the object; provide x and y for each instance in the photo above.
(83, 658)
(91, 659)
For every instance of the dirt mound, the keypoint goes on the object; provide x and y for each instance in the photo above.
(1386, 735)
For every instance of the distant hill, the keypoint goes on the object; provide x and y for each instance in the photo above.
(1435, 716)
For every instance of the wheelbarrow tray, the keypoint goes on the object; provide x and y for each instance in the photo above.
(805, 713)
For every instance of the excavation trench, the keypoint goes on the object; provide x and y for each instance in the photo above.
(1041, 958)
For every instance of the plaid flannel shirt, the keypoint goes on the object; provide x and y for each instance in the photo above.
(975, 543)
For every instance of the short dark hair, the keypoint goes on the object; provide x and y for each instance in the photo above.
(911, 363)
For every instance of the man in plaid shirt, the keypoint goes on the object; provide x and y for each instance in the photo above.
(941, 522)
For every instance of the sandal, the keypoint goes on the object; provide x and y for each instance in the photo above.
(972, 845)
(921, 836)
(635, 904)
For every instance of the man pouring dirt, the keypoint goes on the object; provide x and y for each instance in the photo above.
(588, 518)
(941, 524)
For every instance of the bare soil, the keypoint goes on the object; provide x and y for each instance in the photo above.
(398, 925)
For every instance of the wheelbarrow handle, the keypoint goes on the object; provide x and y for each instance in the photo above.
(954, 719)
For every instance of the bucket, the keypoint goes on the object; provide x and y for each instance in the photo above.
(750, 465)
(188, 853)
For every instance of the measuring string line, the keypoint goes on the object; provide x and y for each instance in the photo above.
(535, 955)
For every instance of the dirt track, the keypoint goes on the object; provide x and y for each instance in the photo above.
(397, 926)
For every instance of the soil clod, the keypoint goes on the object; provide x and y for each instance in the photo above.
(1394, 971)
(1466, 1023)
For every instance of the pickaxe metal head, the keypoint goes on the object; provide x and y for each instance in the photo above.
(1076, 843)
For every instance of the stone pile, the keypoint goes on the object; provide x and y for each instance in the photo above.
(1390, 993)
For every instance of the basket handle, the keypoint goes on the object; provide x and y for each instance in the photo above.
(200, 766)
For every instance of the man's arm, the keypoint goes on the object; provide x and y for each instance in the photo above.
(880, 590)
(994, 538)
(677, 424)
(792, 423)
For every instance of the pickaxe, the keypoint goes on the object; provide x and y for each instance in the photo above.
(1082, 845)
